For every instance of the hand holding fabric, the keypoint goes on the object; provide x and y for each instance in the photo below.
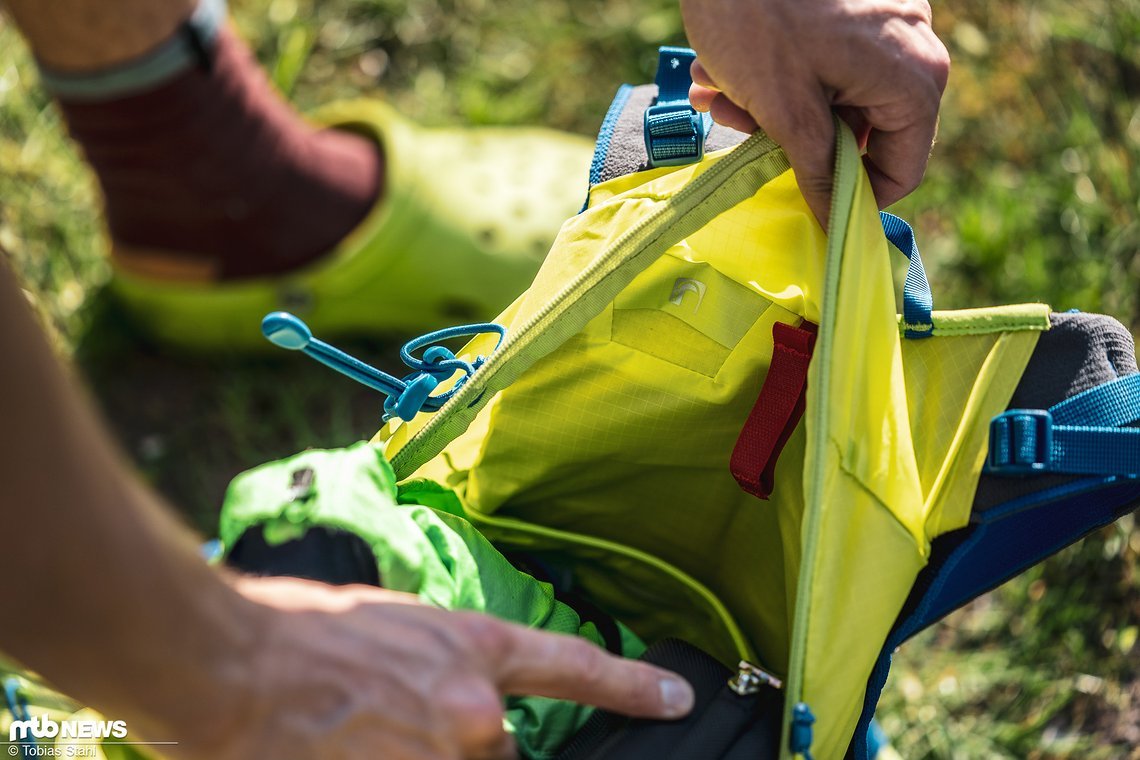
(785, 65)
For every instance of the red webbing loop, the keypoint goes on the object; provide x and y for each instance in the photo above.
(777, 411)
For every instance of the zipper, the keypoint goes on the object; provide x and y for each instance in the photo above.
(755, 149)
(751, 679)
(796, 713)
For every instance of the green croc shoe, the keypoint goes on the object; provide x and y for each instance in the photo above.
(467, 217)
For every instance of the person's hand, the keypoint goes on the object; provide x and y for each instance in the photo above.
(785, 64)
(359, 672)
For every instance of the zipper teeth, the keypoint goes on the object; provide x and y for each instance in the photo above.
(822, 387)
(758, 144)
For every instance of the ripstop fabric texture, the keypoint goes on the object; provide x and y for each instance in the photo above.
(599, 435)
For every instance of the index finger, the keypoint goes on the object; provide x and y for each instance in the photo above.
(565, 667)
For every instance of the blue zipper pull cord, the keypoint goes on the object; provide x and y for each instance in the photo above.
(18, 706)
(801, 738)
(407, 396)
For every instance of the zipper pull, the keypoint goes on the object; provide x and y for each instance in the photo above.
(750, 679)
(801, 738)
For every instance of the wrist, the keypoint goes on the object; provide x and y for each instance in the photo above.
(204, 694)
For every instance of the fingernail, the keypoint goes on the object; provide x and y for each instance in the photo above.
(676, 696)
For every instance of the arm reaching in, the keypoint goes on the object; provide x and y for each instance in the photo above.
(786, 64)
(109, 600)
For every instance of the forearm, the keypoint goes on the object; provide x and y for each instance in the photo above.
(105, 593)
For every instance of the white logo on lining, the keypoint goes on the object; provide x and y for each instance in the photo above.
(683, 285)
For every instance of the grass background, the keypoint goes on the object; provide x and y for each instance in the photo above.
(1032, 194)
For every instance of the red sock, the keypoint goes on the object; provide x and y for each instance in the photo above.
(215, 174)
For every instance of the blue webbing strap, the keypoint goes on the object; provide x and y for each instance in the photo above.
(917, 300)
(1029, 441)
(1109, 405)
(674, 131)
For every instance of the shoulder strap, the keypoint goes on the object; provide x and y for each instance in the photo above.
(1083, 435)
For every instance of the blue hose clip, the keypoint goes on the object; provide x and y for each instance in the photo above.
(406, 396)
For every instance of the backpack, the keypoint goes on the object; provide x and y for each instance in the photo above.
(707, 416)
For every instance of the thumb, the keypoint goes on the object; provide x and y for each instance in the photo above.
(896, 161)
(801, 122)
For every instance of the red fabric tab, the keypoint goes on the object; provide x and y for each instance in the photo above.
(777, 411)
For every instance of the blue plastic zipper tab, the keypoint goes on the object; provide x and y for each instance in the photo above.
(801, 738)
(407, 396)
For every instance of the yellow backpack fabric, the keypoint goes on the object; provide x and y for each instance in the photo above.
(598, 434)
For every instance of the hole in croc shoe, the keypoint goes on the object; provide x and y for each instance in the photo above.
(488, 236)
(296, 299)
(520, 211)
(461, 311)
(539, 248)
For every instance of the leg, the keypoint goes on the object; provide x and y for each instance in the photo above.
(83, 35)
(210, 178)
(207, 174)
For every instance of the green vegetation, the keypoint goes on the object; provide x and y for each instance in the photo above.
(1032, 194)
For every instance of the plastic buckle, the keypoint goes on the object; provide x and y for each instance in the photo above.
(674, 134)
(1021, 442)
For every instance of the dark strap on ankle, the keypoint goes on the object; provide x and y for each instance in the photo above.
(192, 46)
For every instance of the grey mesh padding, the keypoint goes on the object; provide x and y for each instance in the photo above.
(627, 152)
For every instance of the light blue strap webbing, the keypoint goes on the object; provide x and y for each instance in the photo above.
(1109, 405)
(917, 300)
(185, 49)
(1079, 436)
(674, 131)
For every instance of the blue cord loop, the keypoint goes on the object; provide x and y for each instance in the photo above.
(917, 301)
(407, 396)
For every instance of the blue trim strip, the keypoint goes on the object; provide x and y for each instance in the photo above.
(606, 133)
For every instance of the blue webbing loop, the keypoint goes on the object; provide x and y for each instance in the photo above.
(674, 131)
(1078, 436)
(917, 300)
(407, 396)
